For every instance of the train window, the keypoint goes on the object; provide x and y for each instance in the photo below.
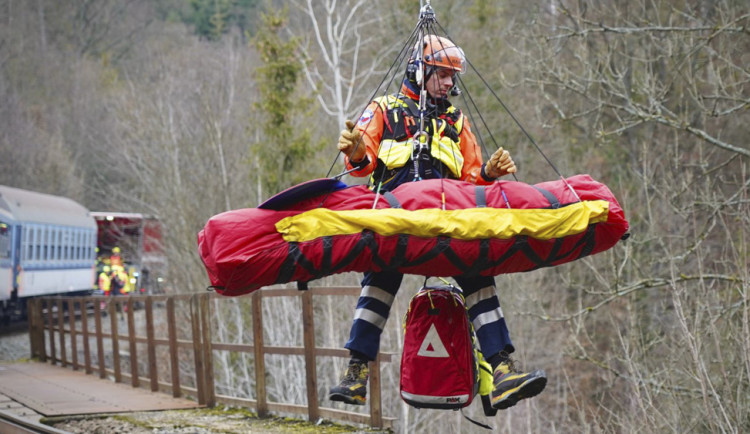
(44, 244)
(78, 245)
(53, 244)
(81, 244)
(58, 244)
(49, 233)
(36, 246)
(25, 243)
(64, 242)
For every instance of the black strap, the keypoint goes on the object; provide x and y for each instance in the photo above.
(443, 244)
(295, 258)
(474, 422)
(411, 105)
(456, 260)
(399, 255)
(325, 263)
(480, 195)
(392, 200)
(481, 262)
(551, 198)
(286, 270)
(352, 255)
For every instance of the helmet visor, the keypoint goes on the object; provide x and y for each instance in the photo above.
(446, 57)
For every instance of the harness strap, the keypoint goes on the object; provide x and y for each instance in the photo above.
(482, 261)
(399, 255)
(480, 195)
(411, 105)
(295, 258)
(551, 198)
(392, 200)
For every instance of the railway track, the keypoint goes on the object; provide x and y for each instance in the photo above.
(14, 327)
(14, 424)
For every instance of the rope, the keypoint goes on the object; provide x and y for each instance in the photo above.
(515, 119)
(427, 25)
(398, 61)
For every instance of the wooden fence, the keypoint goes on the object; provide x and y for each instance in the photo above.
(55, 336)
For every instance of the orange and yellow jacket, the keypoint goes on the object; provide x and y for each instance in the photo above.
(387, 127)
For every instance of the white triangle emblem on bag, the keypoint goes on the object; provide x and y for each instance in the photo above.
(432, 346)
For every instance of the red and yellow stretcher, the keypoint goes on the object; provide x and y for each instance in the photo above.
(435, 227)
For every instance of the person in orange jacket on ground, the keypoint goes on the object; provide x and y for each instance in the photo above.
(105, 280)
(394, 145)
(115, 259)
(119, 280)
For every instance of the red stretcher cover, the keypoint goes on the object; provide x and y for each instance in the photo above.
(436, 227)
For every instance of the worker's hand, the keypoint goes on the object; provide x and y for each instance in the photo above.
(500, 164)
(350, 143)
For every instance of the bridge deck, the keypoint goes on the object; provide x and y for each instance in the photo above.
(54, 391)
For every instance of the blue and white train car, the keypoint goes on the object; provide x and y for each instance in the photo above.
(47, 247)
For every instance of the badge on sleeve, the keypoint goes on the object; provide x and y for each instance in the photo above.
(366, 118)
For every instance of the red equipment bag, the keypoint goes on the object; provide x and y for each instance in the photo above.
(439, 368)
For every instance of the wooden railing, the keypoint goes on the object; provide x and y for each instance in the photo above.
(55, 335)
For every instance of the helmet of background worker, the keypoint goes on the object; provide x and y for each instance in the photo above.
(106, 269)
(437, 52)
(116, 250)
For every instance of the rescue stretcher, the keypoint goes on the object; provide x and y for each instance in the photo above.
(436, 227)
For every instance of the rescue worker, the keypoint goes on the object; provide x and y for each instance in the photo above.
(381, 145)
(115, 259)
(105, 281)
(119, 279)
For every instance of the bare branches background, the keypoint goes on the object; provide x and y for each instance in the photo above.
(120, 105)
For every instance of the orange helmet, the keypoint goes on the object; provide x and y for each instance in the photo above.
(442, 53)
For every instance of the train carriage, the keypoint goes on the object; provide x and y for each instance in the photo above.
(47, 246)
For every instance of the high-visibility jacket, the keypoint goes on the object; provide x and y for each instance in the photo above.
(389, 123)
(105, 282)
(115, 260)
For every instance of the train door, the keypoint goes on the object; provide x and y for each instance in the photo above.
(7, 275)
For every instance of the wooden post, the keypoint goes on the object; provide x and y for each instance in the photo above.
(258, 353)
(376, 410)
(153, 373)
(61, 331)
(51, 330)
(174, 364)
(73, 337)
(99, 340)
(36, 328)
(115, 340)
(308, 331)
(85, 333)
(134, 380)
(208, 365)
(195, 320)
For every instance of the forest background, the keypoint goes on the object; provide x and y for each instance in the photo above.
(188, 108)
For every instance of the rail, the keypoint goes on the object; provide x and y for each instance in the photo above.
(56, 337)
(14, 424)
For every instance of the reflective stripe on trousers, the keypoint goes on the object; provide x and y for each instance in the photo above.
(379, 290)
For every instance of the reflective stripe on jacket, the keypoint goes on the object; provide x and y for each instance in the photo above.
(387, 125)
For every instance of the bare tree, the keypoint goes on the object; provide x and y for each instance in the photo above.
(650, 96)
(344, 51)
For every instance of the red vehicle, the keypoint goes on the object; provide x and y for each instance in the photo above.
(138, 237)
